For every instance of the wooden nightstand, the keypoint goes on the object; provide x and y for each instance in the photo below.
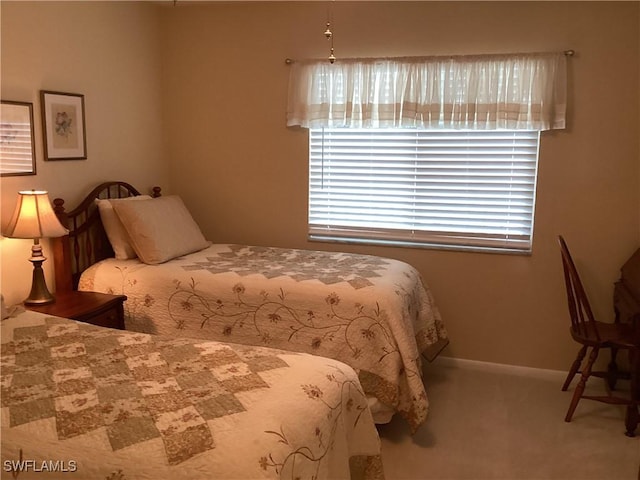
(91, 307)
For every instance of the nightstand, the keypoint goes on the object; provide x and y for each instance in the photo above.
(91, 307)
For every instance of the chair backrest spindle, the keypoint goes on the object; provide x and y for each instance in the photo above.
(582, 319)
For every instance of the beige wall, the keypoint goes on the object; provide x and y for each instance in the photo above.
(222, 90)
(110, 53)
(244, 174)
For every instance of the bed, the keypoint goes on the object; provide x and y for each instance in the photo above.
(89, 402)
(372, 313)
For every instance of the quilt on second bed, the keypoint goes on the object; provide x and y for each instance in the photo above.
(373, 313)
(111, 404)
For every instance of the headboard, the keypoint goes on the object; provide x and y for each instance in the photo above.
(87, 242)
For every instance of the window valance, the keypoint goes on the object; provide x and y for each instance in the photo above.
(480, 92)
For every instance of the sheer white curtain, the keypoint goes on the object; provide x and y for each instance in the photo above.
(483, 92)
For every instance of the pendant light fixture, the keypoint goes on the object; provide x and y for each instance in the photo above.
(328, 33)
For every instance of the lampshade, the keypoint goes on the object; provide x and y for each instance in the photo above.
(34, 217)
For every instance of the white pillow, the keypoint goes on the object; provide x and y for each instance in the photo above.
(116, 233)
(160, 228)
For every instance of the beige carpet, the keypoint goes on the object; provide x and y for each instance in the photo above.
(493, 422)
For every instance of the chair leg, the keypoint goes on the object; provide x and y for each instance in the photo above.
(632, 417)
(581, 384)
(612, 370)
(574, 367)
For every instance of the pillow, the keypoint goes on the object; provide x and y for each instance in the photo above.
(116, 233)
(160, 228)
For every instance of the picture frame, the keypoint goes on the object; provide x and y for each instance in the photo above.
(63, 123)
(17, 140)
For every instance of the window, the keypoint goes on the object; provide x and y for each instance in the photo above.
(423, 187)
(427, 151)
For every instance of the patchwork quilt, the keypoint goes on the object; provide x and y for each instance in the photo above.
(80, 401)
(372, 313)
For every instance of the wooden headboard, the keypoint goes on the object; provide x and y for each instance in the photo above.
(87, 242)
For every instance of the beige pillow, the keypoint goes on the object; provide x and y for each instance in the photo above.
(116, 233)
(160, 228)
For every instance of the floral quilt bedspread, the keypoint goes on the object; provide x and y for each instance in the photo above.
(372, 313)
(80, 401)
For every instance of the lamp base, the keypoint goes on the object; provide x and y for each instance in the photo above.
(40, 294)
(30, 301)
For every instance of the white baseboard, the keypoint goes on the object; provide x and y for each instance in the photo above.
(466, 364)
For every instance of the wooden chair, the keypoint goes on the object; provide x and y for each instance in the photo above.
(594, 335)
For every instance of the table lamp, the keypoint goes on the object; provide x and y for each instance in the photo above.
(34, 218)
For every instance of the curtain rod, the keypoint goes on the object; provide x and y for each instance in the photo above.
(568, 53)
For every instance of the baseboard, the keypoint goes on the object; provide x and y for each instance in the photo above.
(450, 362)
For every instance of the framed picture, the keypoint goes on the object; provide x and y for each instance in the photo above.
(63, 124)
(17, 143)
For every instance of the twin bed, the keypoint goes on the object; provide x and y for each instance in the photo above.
(88, 402)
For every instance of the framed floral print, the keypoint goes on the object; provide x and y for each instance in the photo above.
(63, 125)
(17, 143)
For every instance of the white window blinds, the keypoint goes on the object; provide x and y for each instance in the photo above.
(416, 186)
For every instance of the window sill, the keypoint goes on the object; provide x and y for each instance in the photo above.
(420, 245)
